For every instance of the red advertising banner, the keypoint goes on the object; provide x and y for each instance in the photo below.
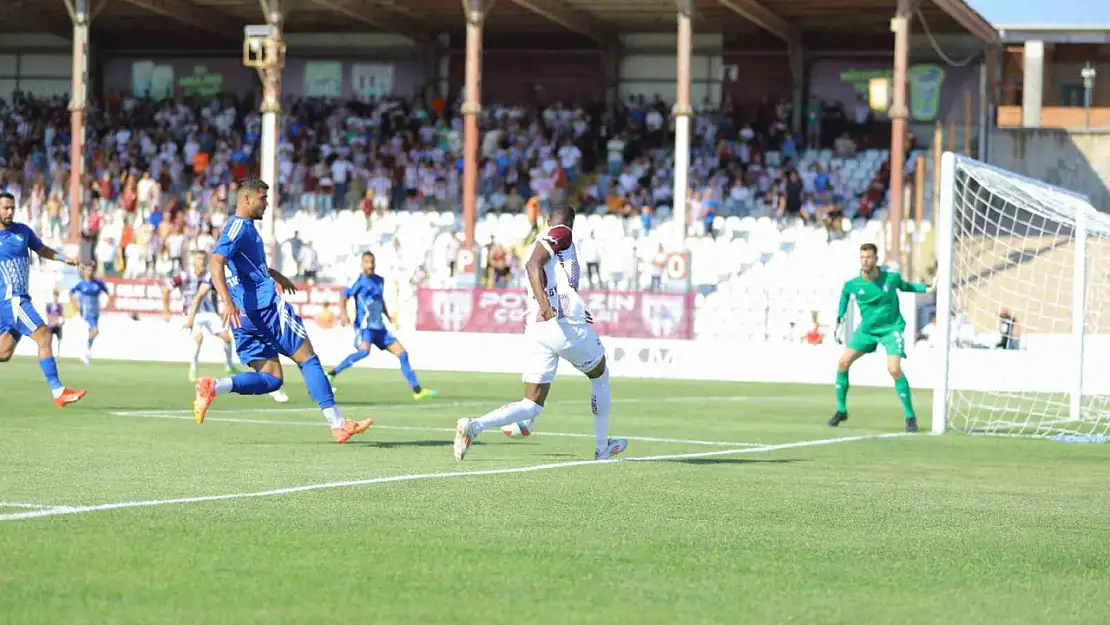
(143, 296)
(616, 313)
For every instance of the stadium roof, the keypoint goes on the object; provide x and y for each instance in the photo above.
(521, 24)
(1081, 34)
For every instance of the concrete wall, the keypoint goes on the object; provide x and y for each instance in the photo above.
(1075, 160)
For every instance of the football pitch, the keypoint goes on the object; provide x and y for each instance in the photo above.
(734, 503)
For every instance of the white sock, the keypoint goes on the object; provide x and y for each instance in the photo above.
(223, 386)
(57, 392)
(509, 413)
(335, 420)
(600, 402)
(196, 357)
(229, 356)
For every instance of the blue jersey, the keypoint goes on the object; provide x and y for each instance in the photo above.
(248, 275)
(17, 241)
(88, 297)
(369, 294)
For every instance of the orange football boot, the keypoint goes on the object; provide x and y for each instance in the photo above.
(206, 394)
(349, 428)
(69, 396)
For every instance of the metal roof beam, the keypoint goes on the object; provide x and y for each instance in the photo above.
(969, 19)
(371, 15)
(765, 18)
(575, 21)
(188, 13)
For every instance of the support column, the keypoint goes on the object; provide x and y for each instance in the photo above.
(797, 54)
(682, 114)
(78, 110)
(1032, 84)
(898, 114)
(611, 64)
(271, 119)
(472, 112)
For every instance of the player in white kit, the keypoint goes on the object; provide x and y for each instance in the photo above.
(202, 316)
(557, 325)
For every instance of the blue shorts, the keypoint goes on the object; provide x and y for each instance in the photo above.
(380, 337)
(92, 322)
(269, 333)
(18, 317)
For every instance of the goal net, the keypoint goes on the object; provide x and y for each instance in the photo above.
(1023, 285)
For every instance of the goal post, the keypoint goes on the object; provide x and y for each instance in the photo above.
(1023, 277)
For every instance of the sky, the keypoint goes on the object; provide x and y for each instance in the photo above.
(1044, 12)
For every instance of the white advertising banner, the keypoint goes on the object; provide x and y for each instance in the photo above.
(372, 80)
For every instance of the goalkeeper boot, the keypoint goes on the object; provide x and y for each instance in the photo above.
(911, 424)
(838, 418)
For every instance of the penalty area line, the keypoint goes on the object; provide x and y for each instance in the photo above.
(49, 512)
(31, 506)
(412, 428)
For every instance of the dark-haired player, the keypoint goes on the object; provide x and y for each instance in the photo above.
(881, 323)
(557, 325)
(18, 317)
(368, 292)
(264, 326)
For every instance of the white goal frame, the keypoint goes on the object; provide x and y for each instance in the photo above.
(945, 254)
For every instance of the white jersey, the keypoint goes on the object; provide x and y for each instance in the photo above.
(561, 275)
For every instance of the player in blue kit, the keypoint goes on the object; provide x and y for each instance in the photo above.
(85, 296)
(369, 294)
(264, 326)
(17, 316)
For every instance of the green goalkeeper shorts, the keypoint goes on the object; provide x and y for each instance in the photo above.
(864, 341)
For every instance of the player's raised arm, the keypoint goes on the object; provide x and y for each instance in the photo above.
(216, 268)
(534, 268)
(912, 287)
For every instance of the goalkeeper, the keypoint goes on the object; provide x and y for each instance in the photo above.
(881, 323)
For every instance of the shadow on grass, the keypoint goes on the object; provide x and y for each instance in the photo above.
(716, 461)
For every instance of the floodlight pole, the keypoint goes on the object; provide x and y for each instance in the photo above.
(1088, 74)
(683, 111)
(264, 51)
(898, 114)
(78, 111)
(472, 111)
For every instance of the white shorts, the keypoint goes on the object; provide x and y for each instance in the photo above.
(546, 342)
(207, 323)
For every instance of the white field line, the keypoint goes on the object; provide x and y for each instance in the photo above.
(30, 506)
(433, 405)
(34, 514)
(176, 415)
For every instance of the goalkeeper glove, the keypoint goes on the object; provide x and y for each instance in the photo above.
(840, 332)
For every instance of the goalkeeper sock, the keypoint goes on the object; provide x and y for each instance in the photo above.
(902, 387)
(517, 411)
(600, 402)
(842, 391)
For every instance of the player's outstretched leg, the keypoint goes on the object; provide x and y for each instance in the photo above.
(266, 378)
(846, 359)
(418, 393)
(319, 388)
(902, 388)
(362, 350)
(527, 409)
(44, 339)
(605, 448)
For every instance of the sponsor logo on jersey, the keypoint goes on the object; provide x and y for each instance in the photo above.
(452, 309)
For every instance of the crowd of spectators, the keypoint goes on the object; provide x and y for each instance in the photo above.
(159, 175)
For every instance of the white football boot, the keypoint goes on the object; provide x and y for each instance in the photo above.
(463, 437)
(614, 448)
(279, 396)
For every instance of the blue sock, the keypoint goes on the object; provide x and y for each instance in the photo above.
(49, 368)
(350, 361)
(406, 370)
(319, 389)
(254, 383)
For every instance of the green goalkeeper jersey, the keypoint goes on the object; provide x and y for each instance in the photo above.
(878, 301)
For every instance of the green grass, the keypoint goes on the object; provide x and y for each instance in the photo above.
(917, 529)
